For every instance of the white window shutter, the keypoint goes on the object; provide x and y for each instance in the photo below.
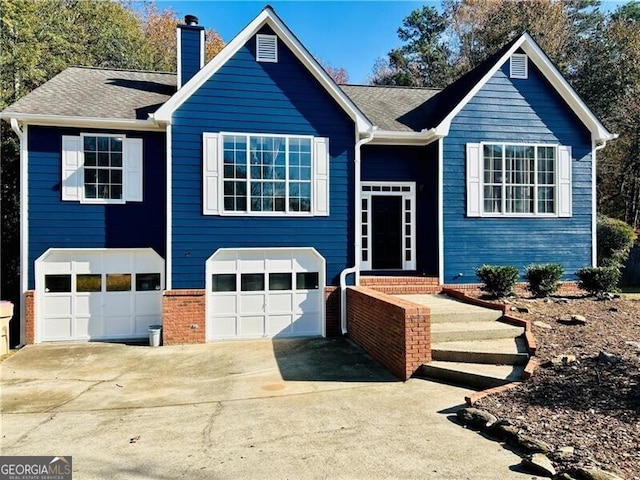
(321, 176)
(474, 180)
(132, 169)
(72, 182)
(564, 181)
(211, 174)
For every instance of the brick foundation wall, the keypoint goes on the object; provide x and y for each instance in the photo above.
(332, 312)
(566, 288)
(394, 332)
(183, 317)
(30, 317)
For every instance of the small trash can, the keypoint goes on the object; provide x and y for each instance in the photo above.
(154, 335)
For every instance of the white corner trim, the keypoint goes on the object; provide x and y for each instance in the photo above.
(551, 73)
(178, 58)
(168, 265)
(203, 48)
(441, 211)
(266, 17)
(24, 229)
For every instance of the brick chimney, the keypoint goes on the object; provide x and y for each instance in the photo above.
(190, 49)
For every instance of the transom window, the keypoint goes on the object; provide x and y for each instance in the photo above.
(519, 179)
(263, 173)
(103, 167)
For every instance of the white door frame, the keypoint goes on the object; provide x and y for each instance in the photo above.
(406, 190)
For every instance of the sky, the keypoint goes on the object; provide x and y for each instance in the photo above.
(343, 34)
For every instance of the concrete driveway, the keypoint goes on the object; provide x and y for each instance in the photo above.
(256, 409)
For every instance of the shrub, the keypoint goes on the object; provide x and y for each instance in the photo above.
(598, 280)
(615, 239)
(498, 280)
(544, 279)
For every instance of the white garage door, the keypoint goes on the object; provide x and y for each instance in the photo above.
(98, 294)
(254, 293)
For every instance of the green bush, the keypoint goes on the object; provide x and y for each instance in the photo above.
(615, 239)
(544, 279)
(498, 280)
(598, 280)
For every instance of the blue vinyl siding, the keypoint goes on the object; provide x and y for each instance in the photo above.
(190, 51)
(259, 97)
(520, 111)
(411, 164)
(57, 224)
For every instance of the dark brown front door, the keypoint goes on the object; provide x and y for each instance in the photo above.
(387, 232)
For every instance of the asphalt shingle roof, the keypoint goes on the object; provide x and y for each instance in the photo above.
(393, 108)
(99, 93)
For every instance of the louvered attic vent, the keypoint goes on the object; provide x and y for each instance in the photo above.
(266, 48)
(519, 66)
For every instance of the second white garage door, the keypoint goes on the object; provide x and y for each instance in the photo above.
(255, 293)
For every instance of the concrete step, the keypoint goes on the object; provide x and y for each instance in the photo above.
(476, 330)
(472, 375)
(444, 309)
(503, 351)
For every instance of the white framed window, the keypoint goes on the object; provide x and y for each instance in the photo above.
(507, 179)
(260, 174)
(519, 66)
(101, 168)
(266, 48)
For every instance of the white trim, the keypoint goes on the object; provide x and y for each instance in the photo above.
(391, 137)
(405, 190)
(536, 55)
(82, 122)
(203, 48)
(594, 203)
(169, 213)
(441, 211)
(23, 135)
(266, 17)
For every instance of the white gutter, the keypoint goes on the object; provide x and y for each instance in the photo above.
(24, 283)
(82, 122)
(357, 236)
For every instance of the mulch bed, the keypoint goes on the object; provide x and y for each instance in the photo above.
(590, 404)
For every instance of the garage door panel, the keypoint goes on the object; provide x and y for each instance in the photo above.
(141, 323)
(118, 303)
(225, 327)
(148, 302)
(225, 304)
(252, 303)
(57, 328)
(58, 305)
(280, 302)
(252, 326)
(118, 326)
(87, 303)
(306, 324)
(88, 327)
(280, 325)
(307, 302)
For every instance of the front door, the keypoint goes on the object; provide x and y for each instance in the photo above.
(387, 233)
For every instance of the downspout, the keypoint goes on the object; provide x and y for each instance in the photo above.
(22, 136)
(357, 236)
(594, 205)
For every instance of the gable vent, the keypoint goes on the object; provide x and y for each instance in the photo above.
(519, 66)
(266, 48)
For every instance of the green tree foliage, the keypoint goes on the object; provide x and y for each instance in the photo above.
(615, 240)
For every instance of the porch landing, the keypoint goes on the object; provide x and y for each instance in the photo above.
(470, 345)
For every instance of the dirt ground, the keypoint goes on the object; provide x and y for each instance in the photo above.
(592, 403)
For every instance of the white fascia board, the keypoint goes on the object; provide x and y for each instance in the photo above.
(598, 132)
(82, 122)
(266, 17)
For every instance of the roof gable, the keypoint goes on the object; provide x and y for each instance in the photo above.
(448, 103)
(266, 17)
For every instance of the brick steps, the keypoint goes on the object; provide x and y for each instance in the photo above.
(474, 375)
(505, 351)
(395, 285)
